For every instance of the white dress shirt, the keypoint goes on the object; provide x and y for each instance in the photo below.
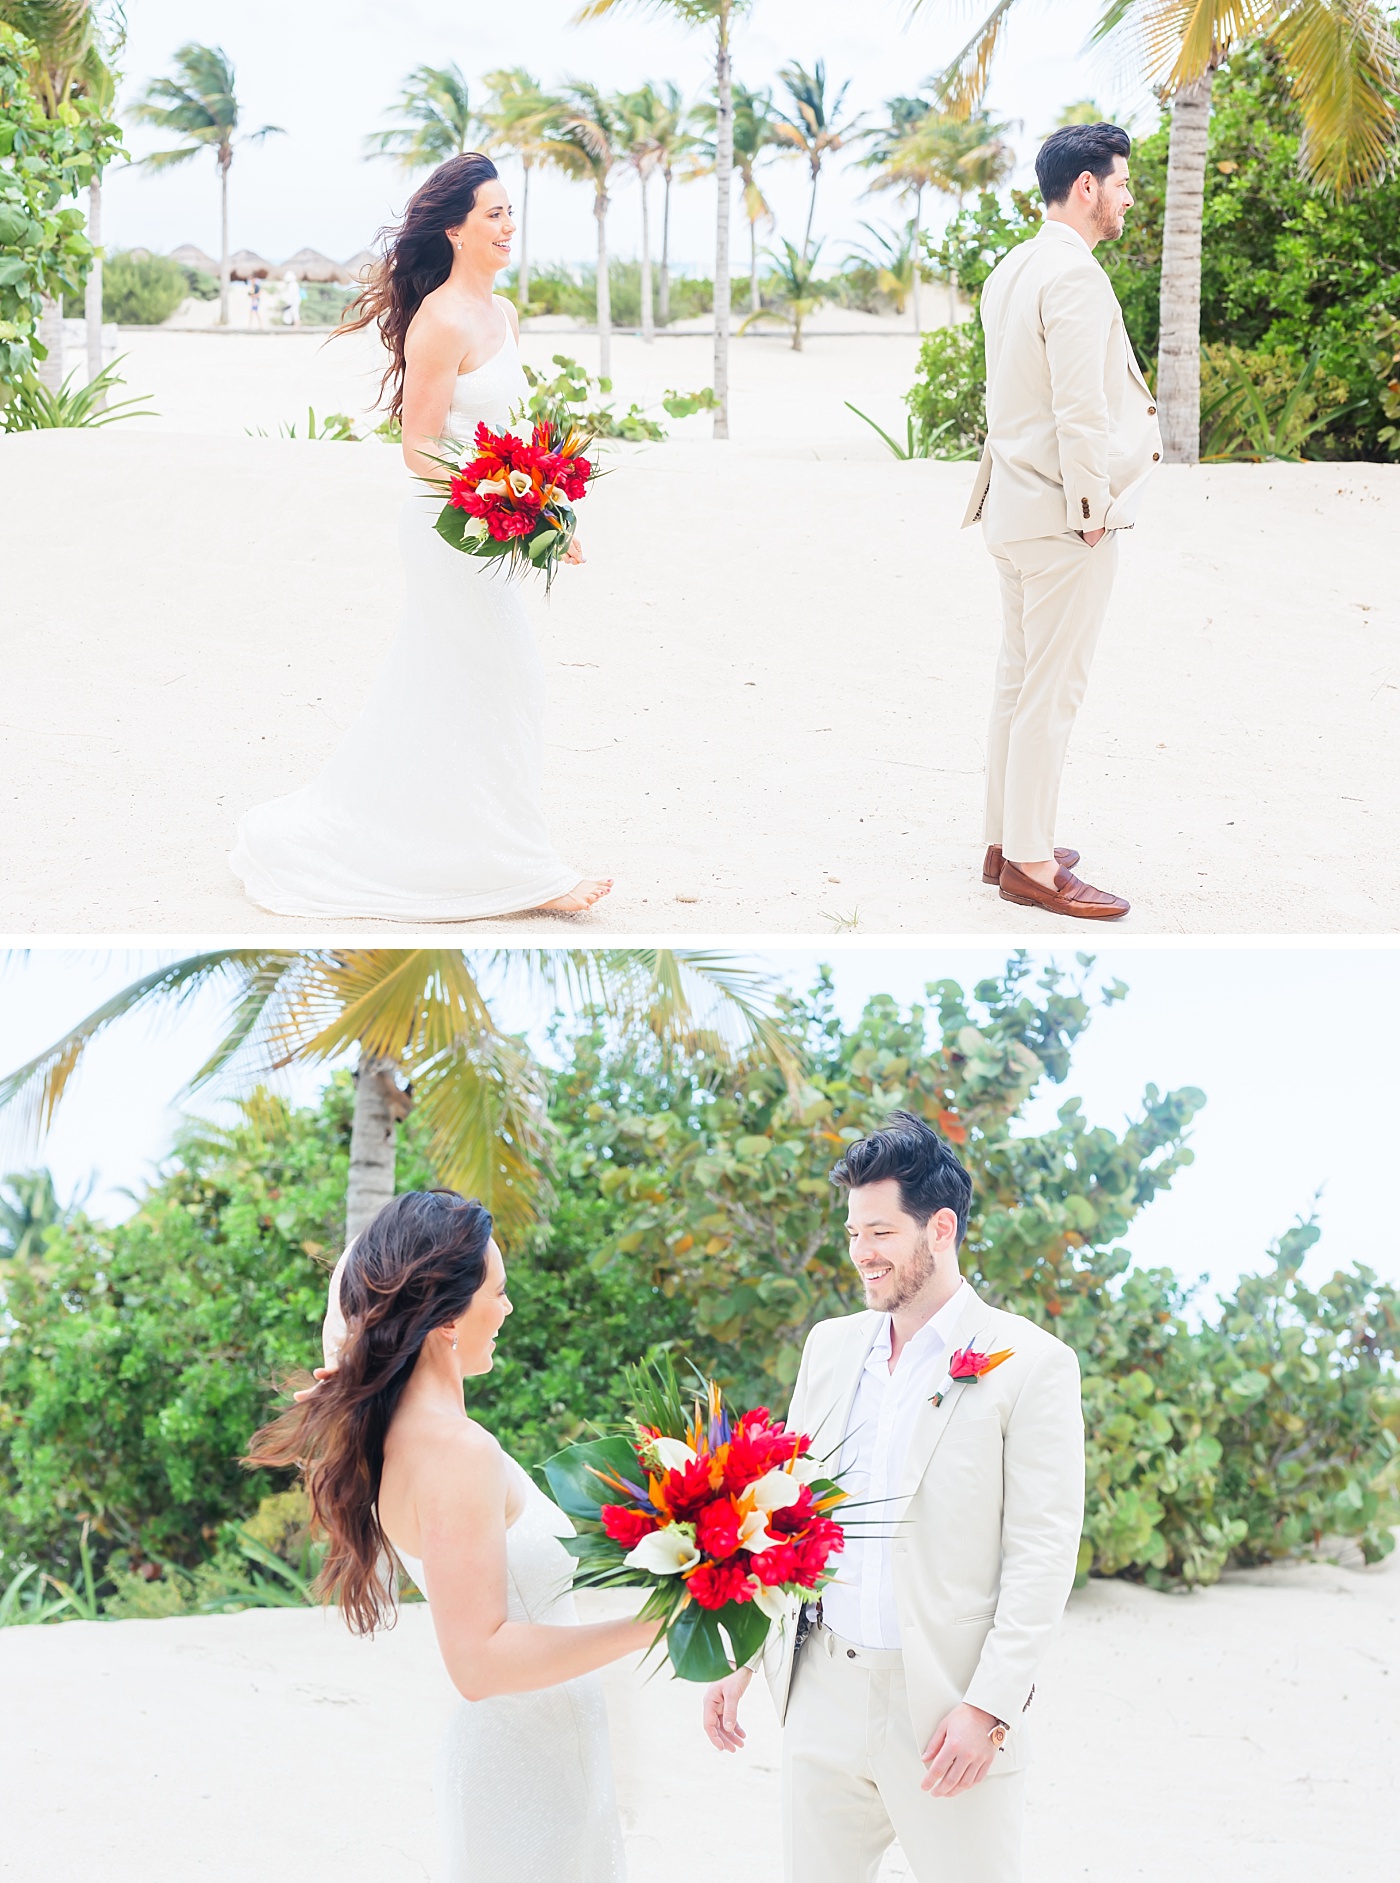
(859, 1604)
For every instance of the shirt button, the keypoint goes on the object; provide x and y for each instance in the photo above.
(1155, 456)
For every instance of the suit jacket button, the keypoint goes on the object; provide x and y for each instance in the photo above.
(1151, 410)
(850, 1654)
(1155, 456)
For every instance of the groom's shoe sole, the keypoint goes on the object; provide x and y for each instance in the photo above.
(991, 863)
(1070, 896)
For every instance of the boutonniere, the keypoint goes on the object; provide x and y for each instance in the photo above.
(967, 1364)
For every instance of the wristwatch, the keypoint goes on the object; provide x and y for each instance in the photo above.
(997, 1734)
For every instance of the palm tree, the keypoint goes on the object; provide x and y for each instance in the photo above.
(674, 139)
(518, 116)
(426, 1040)
(592, 141)
(753, 137)
(721, 15)
(893, 254)
(643, 112)
(796, 291)
(1343, 60)
(812, 131)
(74, 45)
(901, 164)
(200, 106)
(29, 1208)
(438, 120)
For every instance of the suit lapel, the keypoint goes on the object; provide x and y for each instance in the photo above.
(932, 1422)
(839, 1397)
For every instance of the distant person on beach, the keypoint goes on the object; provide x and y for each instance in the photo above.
(1071, 439)
(291, 300)
(956, 1430)
(454, 827)
(398, 1473)
(255, 318)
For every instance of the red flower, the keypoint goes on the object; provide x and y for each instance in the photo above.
(755, 1449)
(714, 1584)
(823, 1539)
(625, 1525)
(717, 1528)
(967, 1365)
(688, 1490)
(794, 1517)
(780, 1562)
(503, 524)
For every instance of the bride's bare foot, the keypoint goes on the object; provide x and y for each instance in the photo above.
(582, 896)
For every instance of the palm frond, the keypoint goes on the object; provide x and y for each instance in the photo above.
(962, 84)
(1344, 59)
(34, 1089)
(483, 1099)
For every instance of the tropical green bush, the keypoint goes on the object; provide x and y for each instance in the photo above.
(1281, 265)
(1261, 405)
(557, 289)
(949, 395)
(140, 289)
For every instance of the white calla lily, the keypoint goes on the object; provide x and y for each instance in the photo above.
(774, 1491)
(492, 487)
(672, 1454)
(520, 482)
(770, 1602)
(665, 1552)
(753, 1532)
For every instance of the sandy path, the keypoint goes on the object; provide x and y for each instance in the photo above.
(1242, 1735)
(765, 717)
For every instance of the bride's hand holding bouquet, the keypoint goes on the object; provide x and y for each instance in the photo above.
(511, 496)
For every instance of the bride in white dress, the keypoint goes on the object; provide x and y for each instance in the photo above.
(429, 809)
(392, 1462)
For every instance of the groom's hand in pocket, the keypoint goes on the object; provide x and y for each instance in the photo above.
(959, 1755)
(720, 1714)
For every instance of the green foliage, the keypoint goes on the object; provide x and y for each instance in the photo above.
(141, 290)
(1259, 406)
(1281, 264)
(1385, 365)
(921, 440)
(558, 289)
(202, 286)
(948, 399)
(337, 427)
(574, 396)
(976, 239)
(325, 303)
(33, 408)
(43, 161)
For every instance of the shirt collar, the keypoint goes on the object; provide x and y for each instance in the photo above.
(932, 1337)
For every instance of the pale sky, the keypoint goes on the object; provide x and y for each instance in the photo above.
(327, 72)
(1295, 1048)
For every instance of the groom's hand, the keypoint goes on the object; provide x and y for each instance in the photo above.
(720, 1713)
(959, 1755)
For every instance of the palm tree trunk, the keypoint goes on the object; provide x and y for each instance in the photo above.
(223, 251)
(811, 212)
(648, 312)
(380, 1104)
(1179, 348)
(50, 368)
(724, 180)
(953, 280)
(918, 256)
(755, 304)
(663, 296)
(522, 277)
(92, 307)
(600, 210)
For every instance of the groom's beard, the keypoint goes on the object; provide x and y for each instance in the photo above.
(1108, 221)
(905, 1283)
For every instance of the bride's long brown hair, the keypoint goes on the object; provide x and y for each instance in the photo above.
(416, 1267)
(417, 258)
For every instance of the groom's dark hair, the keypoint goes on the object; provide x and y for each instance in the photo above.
(1067, 153)
(930, 1178)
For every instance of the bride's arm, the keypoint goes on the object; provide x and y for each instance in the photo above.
(432, 351)
(460, 1502)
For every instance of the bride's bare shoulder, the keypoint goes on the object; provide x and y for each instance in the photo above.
(439, 326)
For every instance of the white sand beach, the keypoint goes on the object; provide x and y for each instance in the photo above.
(1244, 1734)
(768, 685)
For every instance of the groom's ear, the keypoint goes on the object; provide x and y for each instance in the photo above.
(944, 1225)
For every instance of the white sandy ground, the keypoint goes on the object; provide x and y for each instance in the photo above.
(768, 686)
(1245, 1734)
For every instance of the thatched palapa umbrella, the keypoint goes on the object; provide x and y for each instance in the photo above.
(359, 265)
(190, 255)
(308, 264)
(246, 266)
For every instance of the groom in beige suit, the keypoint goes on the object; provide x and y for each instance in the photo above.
(1071, 438)
(903, 1693)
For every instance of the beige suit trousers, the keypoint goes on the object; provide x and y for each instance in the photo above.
(1054, 595)
(851, 1778)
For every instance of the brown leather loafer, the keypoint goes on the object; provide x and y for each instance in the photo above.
(992, 862)
(1068, 897)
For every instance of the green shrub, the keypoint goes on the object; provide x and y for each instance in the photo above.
(949, 393)
(324, 303)
(1264, 404)
(557, 289)
(141, 290)
(201, 286)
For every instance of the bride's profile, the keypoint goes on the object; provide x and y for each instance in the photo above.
(394, 1466)
(429, 809)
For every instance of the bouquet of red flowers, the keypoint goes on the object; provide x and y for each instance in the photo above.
(513, 497)
(723, 1519)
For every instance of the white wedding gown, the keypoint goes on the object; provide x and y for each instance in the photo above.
(429, 809)
(524, 1780)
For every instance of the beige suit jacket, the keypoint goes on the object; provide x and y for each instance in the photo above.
(1072, 431)
(985, 1551)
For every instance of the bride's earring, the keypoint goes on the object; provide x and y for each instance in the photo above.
(454, 1343)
